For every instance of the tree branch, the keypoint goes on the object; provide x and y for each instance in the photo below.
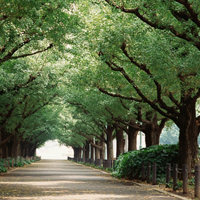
(2, 143)
(143, 67)
(17, 87)
(90, 140)
(122, 127)
(193, 14)
(30, 54)
(145, 99)
(163, 121)
(156, 25)
(123, 104)
(139, 117)
(11, 52)
(118, 95)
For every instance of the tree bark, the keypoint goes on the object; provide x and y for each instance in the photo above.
(79, 152)
(153, 131)
(22, 151)
(109, 132)
(10, 148)
(152, 135)
(87, 151)
(120, 141)
(83, 152)
(102, 151)
(32, 150)
(76, 152)
(3, 144)
(188, 145)
(14, 148)
(97, 150)
(132, 138)
(92, 151)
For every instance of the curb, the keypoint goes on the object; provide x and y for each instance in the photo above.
(163, 191)
(173, 195)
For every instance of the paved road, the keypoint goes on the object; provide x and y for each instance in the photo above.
(59, 179)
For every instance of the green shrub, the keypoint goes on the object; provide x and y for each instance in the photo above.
(191, 181)
(19, 164)
(109, 169)
(27, 162)
(129, 164)
(101, 168)
(3, 169)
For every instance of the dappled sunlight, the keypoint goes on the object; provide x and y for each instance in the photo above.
(80, 196)
(77, 182)
(42, 183)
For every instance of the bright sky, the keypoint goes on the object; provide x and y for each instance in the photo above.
(53, 150)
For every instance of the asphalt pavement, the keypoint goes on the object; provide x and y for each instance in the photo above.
(63, 180)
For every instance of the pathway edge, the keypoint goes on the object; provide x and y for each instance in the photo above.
(139, 184)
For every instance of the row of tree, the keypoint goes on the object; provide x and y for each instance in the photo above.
(95, 69)
(31, 71)
(152, 51)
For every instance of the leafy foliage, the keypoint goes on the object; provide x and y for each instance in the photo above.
(19, 164)
(2, 166)
(129, 164)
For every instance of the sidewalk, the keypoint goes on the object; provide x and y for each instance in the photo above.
(59, 179)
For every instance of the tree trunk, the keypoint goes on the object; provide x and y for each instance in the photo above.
(10, 148)
(4, 151)
(92, 151)
(132, 138)
(152, 133)
(188, 145)
(102, 151)
(22, 148)
(32, 150)
(109, 143)
(83, 149)
(120, 141)
(19, 149)
(76, 152)
(79, 152)
(3, 144)
(87, 150)
(97, 150)
(152, 137)
(14, 148)
(0, 147)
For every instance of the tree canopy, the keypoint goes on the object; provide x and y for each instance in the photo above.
(72, 68)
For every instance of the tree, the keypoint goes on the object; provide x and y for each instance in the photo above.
(29, 76)
(139, 119)
(29, 28)
(164, 42)
(27, 85)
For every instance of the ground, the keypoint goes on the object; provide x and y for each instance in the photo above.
(61, 179)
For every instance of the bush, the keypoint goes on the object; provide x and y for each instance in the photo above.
(2, 165)
(129, 164)
(19, 164)
(27, 162)
(3, 169)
